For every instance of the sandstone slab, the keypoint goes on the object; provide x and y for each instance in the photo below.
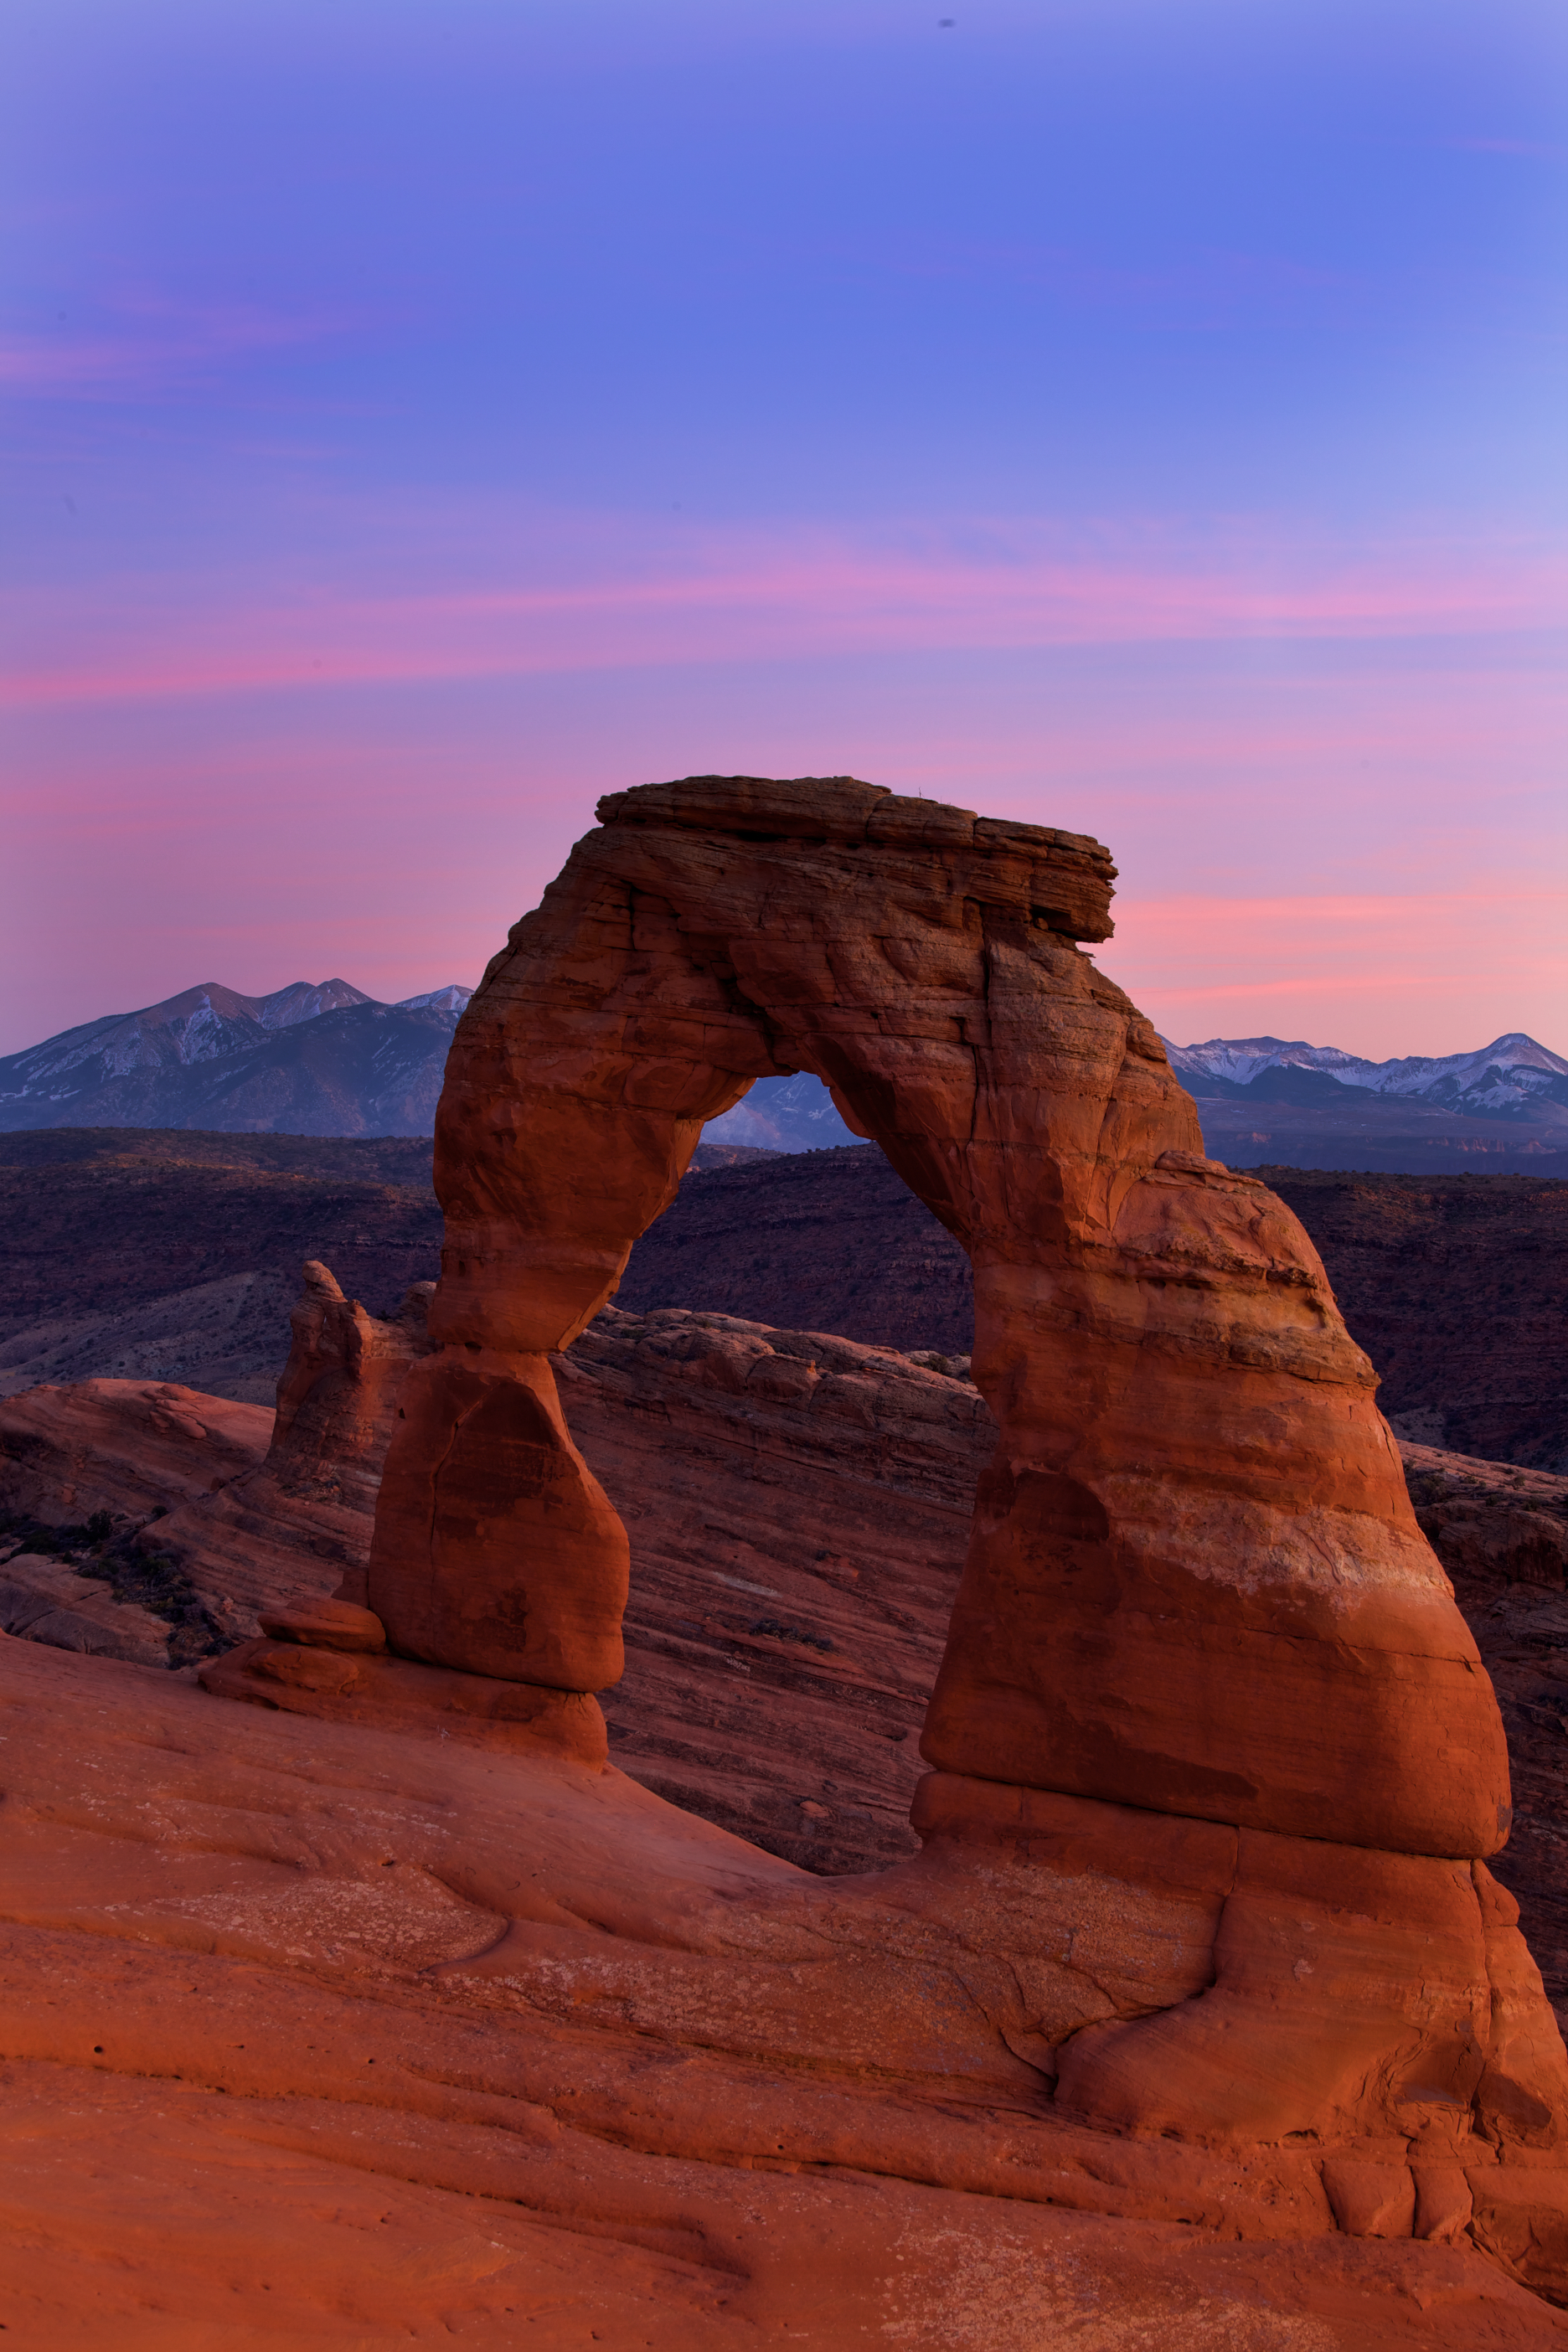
(797, 1508)
(128, 1447)
(44, 1598)
(256, 2086)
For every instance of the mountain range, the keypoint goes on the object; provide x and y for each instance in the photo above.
(1502, 1109)
(1269, 1099)
(1513, 1077)
(795, 1114)
(307, 1060)
(325, 1059)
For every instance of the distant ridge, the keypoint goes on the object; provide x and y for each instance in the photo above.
(1512, 1077)
(319, 1058)
(1502, 1109)
(323, 1058)
(795, 1114)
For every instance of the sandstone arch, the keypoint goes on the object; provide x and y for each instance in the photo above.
(1195, 1586)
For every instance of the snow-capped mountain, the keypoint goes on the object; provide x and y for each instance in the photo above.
(326, 1059)
(1512, 1078)
(322, 1059)
(795, 1114)
(441, 1000)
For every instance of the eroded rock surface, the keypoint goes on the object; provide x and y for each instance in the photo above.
(1455, 1286)
(794, 1562)
(90, 1473)
(245, 1507)
(63, 1602)
(681, 1413)
(1502, 1532)
(797, 1508)
(302, 1515)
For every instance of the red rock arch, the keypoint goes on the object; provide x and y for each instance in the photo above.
(1194, 1584)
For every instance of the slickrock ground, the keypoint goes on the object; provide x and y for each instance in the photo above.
(271, 2079)
(129, 1447)
(799, 1508)
(699, 1426)
(88, 1477)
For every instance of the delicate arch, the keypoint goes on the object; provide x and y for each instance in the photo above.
(1195, 1583)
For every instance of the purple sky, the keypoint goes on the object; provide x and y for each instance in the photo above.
(1143, 418)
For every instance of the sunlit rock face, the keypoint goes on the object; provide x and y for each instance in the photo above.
(1195, 1581)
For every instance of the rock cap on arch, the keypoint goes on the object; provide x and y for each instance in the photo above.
(1065, 876)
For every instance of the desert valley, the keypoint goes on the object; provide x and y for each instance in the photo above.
(520, 1822)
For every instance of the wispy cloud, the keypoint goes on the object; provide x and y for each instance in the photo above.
(146, 343)
(747, 596)
(1385, 955)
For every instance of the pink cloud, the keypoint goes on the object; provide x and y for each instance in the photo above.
(1262, 886)
(152, 341)
(1376, 973)
(718, 599)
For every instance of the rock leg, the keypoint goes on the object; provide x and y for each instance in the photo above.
(496, 1549)
(1352, 1995)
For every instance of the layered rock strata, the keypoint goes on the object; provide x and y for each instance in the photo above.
(797, 1504)
(1502, 1534)
(246, 1508)
(131, 1448)
(84, 1469)
(797, 1508)
(795, 1558)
